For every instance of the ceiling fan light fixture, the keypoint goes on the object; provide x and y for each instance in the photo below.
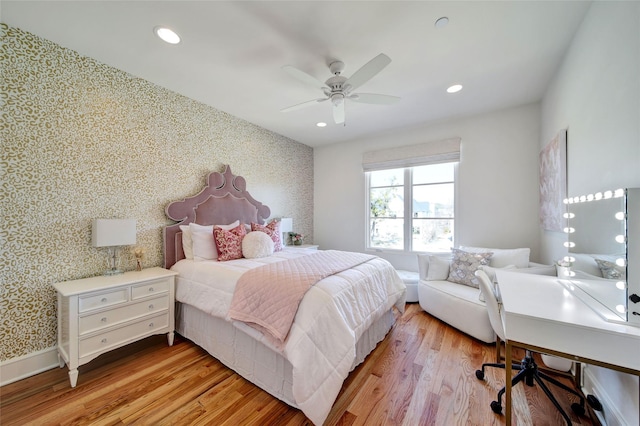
(167, 35)
(454, 88)
(337, 98)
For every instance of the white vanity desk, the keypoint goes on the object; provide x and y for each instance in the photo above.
(540, 314)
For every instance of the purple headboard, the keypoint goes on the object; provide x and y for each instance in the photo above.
(223, 200)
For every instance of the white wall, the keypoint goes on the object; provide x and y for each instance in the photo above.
(497, 183)
(596, 95)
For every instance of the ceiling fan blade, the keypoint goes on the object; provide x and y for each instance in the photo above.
(304, 77)
(303, 105)
(368, 71)
(373, 98)
(338, 113)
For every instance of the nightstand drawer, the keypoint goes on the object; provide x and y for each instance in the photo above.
(114, 338)
(122, 314)
(96, 301)
(149, 288)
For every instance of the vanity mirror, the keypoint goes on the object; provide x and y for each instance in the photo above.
(604, 230)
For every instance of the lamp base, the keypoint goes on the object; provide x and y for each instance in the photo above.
(112, 262)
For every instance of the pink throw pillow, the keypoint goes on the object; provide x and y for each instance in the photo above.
(272, 230)
(229, 243)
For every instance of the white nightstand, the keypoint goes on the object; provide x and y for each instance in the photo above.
(99, 314)
(304, 246)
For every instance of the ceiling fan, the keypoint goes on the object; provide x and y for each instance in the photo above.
(338, 88)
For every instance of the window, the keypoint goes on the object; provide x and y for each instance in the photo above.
(411, 208)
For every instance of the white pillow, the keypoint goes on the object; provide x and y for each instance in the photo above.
(257, 244)
(187, 242)
(503, 257)
(203, 243)
(438, 268)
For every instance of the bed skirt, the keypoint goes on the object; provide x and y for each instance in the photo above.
(253, 359)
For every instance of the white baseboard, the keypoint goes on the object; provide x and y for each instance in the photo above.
(28, 365)
(610, 414)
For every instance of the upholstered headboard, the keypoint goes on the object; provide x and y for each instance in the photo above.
(223, 200)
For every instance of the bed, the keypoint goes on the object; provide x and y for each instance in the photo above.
(338, 322)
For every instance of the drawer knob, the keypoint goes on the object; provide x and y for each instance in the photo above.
(104, 319)
(151, 306)
(104, 340)
(104, 300)
(150, 288)
(150, 324)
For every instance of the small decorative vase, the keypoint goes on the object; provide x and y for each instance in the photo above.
(138, 264)
(297, 243)
(563, 272)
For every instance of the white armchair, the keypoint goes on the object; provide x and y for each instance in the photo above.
(460, 305)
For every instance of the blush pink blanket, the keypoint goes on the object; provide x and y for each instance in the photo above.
(267, 297)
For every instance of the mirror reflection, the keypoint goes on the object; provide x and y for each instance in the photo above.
(598, 250)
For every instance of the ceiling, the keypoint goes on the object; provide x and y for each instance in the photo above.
(504, 53)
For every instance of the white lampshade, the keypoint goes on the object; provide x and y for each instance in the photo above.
(286, 224)
(113, 232)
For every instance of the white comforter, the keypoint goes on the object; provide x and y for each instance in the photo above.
(332, 316)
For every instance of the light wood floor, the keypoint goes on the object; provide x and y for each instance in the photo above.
(423, 373)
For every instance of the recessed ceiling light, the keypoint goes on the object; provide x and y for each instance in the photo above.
(441, 22)
(167, 35)
(321, 124)
(455, 88)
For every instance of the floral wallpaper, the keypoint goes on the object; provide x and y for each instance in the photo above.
(82, 140)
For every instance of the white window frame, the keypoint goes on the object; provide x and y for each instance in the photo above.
(408, 209)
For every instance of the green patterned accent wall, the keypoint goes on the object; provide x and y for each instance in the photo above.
(82, 140)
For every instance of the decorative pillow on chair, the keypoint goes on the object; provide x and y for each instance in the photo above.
(272, 230)
(229, 243)
(464, 265)
(257, 244)
(438, 268)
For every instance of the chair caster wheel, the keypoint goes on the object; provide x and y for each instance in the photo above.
(480, 374)
(496, 407)
(578, 409)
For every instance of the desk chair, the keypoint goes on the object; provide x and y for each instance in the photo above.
(528, 369)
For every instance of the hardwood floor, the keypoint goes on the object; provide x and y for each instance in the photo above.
(423, 373)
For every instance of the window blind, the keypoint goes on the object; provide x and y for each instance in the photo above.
(442, 151)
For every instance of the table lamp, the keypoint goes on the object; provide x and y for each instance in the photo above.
(286, 226)
(113, 233)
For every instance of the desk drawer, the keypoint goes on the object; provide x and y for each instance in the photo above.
(100, 320)
(120, 336)
(96, 301)
(149, 288)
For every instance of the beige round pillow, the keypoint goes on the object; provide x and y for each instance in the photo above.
(257, 244)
